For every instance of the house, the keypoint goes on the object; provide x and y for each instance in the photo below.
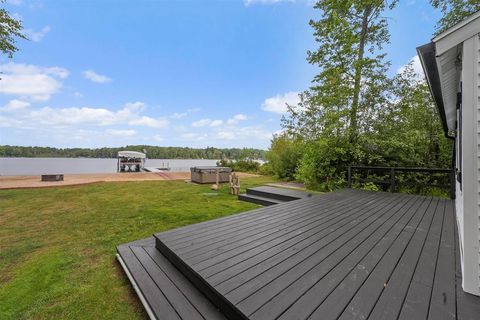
(451, 62)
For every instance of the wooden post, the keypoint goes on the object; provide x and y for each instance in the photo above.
(452, 184)
(392, 180)
(217, 178)
(349, 177)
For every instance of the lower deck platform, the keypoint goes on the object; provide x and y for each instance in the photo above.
(344, 255)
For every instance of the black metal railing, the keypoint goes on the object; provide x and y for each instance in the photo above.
(391, 178)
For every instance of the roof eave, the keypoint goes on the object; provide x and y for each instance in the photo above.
(427, 55)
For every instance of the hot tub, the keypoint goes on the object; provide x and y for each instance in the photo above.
(209, 174)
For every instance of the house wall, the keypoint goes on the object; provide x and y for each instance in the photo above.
(468, 200)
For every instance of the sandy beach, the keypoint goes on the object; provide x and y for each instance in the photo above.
(16, 182)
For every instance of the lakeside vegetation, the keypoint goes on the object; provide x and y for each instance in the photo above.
(153, 152)
(355, 113)
(58, 245)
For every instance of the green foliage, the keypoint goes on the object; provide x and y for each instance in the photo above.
(284, 155)
(153, 152)
(351, 35)
(10, 29)
(242, 165)
(453, 12)
(340, 121)
(323, 164)
(370, 186)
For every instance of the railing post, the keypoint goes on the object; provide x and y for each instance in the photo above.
(392, 180)
(452, 184)
(349, 176)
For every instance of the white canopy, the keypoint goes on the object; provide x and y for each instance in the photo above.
(131, 154)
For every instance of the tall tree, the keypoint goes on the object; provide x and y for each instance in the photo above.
(351, 35)
(453, 12)
(10, 29)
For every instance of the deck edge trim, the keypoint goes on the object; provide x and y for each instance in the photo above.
(139, 293)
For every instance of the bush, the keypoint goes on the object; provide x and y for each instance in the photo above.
(244, 165)
(284, 156)
(323, 165)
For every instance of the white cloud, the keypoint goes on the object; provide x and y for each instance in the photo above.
(95, 77)
(30, 81)
(180, 115)
(237, 118)
(135, 106)
(216, 123)
(417, 67)
(121, 133)
(201, 123)
(74, 116)
(77, 94)
(278, 103)
(15, 105)
(37, 36)
(207, 122)
(150, 122)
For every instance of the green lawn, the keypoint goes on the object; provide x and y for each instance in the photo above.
(57, 245)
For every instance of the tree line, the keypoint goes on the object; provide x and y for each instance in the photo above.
(153, 152)
(354, 113)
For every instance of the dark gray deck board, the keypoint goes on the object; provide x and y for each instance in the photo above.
(254, 244)
(335, 291)
(267, 254)
(367, 296)
(255, 279)
(325, 296)
(168, 293)
(345, 255)
(194, 240)
(468, 306)
(443, 300)
(304, 292)
(311, 269)
(417, 301)
(153, 295)
(240, 218)
(279, 193)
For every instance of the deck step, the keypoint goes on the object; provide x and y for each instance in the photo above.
(259, 200)
(163, 290)
(278, 193)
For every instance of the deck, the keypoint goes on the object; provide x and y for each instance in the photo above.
(344, 255)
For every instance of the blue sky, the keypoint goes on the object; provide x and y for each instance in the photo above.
(168, 73)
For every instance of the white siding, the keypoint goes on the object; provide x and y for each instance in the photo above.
(468, 218)
(477, 93)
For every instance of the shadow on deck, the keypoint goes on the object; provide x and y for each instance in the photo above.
(345, 255)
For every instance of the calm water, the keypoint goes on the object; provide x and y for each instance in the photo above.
(31, 166)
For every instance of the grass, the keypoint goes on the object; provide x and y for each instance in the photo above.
(58, 245)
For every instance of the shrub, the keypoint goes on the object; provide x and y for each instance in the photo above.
(284, 156)
(323, 165)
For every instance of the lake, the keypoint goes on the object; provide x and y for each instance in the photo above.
(34, 166)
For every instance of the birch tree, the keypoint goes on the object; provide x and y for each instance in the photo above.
(351, 35)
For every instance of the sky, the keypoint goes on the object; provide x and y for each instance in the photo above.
(189, 73)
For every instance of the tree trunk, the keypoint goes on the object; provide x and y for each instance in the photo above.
(358, 75)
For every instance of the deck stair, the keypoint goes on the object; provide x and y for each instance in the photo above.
(267, 196)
